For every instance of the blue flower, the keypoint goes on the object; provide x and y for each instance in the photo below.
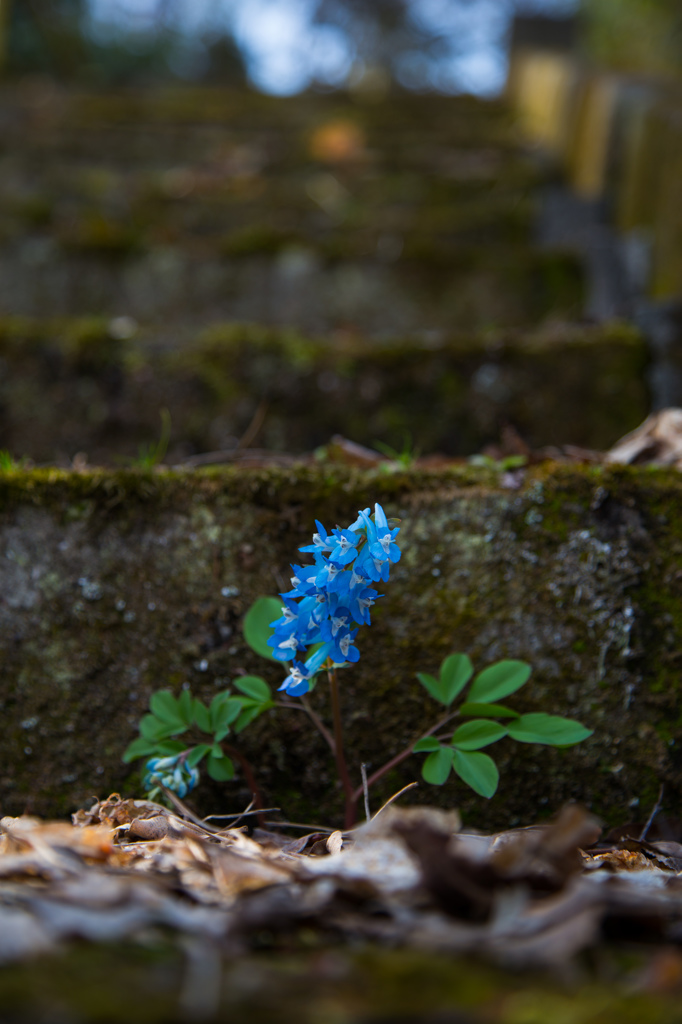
(342, 648)
(285, 645)
(336, 623)
(321, 542)
(171, 772)
(383, 544)
(361, 601)
(303, 581)
(345, 546)
(330, 595)
(298, 681)
(327, 573)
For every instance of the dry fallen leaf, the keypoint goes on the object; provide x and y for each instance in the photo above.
(528, 897)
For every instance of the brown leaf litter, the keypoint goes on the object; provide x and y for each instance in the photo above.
(529, 897)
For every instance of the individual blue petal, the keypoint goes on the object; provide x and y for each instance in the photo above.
(345, 546)
(383, 545)
(320, 540)
(338, 622)
(284, 649)
(315, 662)
(327, 574)
(360, 522)
(289, 614)
(342, 649)
(362, 600)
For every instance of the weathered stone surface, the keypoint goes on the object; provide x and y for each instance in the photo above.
(111, 585)
(412, 214)
(71, 386)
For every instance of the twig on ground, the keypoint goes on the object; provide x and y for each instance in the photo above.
(650, 820)
(365, 789)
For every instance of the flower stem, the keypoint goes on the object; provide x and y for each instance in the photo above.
(250, 781)
(349, 797)
(402, 756)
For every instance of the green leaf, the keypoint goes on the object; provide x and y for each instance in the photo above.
(552, 730)
(224, 710)
(201, 715)
(253, 686)
(256, 626)
(477, 734)
(197, 753)
(248, 715)
(436, 767)
(220, 768)
(186, 707)
(152, 728)
(140, 747)
(487, 711)
(431, 684)
(478, 771)
(455, 673)
(168, 747)
(426, 744)
(499, 680)
(164, 705)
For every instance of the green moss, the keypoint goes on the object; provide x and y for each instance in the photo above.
(74, 387)
(310, 980)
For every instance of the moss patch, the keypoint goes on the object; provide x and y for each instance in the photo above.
(73, 385)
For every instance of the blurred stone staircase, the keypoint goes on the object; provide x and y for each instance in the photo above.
(385, 253)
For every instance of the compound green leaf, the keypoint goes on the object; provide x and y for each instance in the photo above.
(186, 707)
(436, 767)
(201, 715)
(499, 680)
(169, 747)
(152, 728)
(164, 705)
(478, 771)
(197, 753)
(140, 747)
(426, 745)
(220, 768)
(479, 733)
(224, 710)
(487, 711)
(551, 730)
(455, 673)
(253, 686)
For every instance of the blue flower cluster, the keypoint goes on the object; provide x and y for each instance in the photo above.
(173, 773)
(331, 595)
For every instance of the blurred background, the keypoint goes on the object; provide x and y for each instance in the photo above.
(237, 227)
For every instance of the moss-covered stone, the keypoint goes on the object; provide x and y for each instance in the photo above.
(309, 982)
(315, 211)
(111, 585)
(71, 386)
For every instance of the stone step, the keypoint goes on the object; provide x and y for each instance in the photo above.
(115, 584)
(315, 212)
(77, 386)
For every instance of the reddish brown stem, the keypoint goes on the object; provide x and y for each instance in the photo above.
(402, 756)
(251, 781)
(314, 718)
(349, 797)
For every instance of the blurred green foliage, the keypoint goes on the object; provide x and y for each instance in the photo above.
(643, 36)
